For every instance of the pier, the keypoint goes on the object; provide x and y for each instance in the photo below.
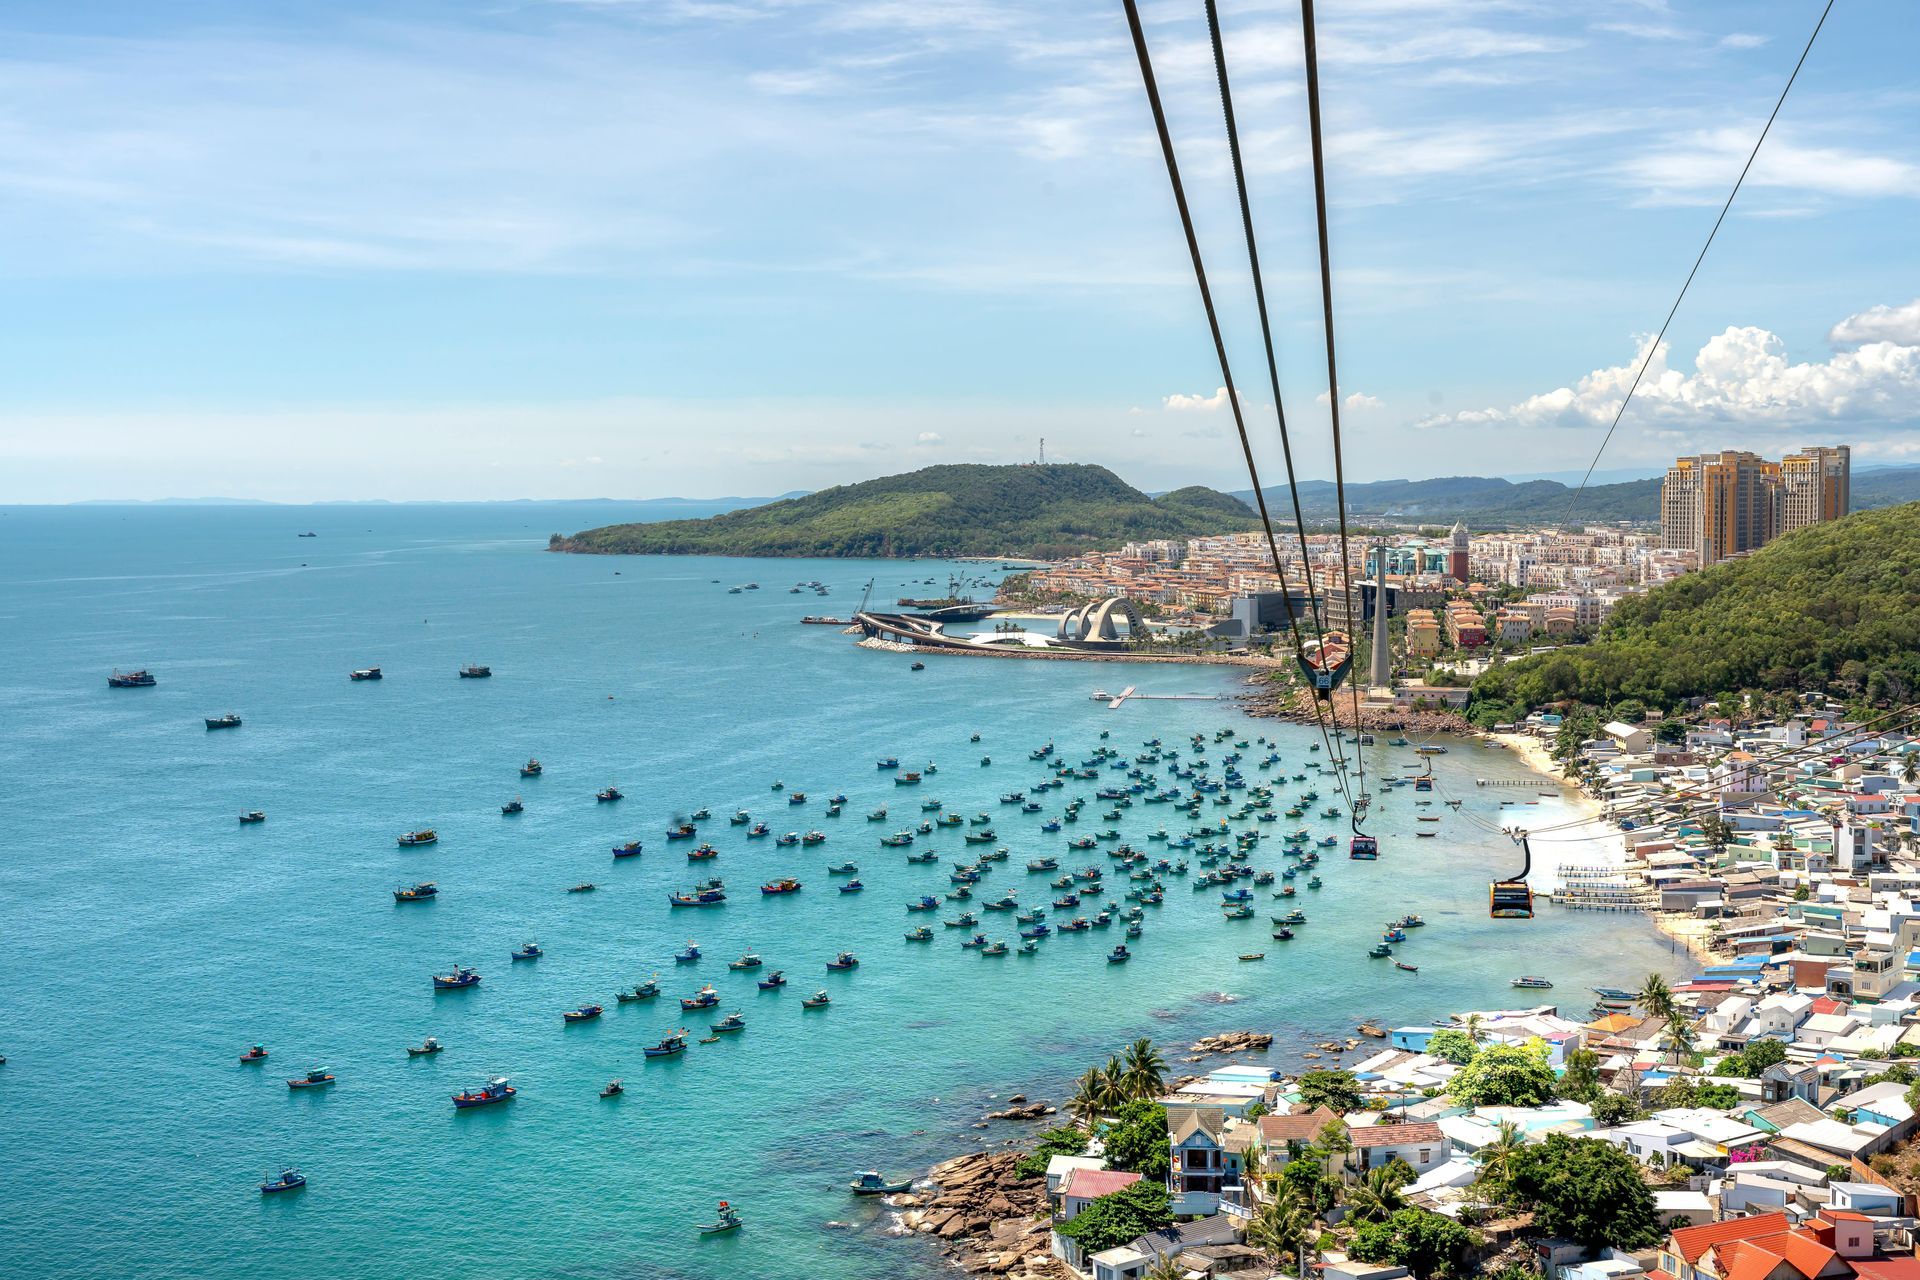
(1533, 783)
(1114, 700)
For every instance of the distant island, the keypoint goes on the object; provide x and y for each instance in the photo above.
(1043, 512)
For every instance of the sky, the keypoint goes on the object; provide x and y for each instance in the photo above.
(475, 249)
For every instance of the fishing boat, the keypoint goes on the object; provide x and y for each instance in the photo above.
(1616, 994)
(727, 1220)
(786, 884)
(425, 1049)
(788, 840)
(475, 671)
(425, 836)
(1379, 951)
(918, 666)
(797, 797)
(994, 949)
(1410, 968)
(697, 898)
(1254, 955)
(648, 990)
(532, 768)
(852, 886)
(927, 902)
(814, 837)
(705, 998)
(758, 830)
(843, 869)
(585, 886)
(748, 961)
(732, 1022)
(289, 1180)
(668, 1046)
(512, 807)
(845, 960)
(683, 831)
(365, 673)
(818, 1000)
(318, 1078)
(1533, 983)
(689, 954)
(141, 679)
(494, 1091)
(528, 951)
(612, 1089)
(252, 815)
(227, 721)
(608, 795)
(1282, 934)
(461, 977)
(585, 1013)
(773, 981)
(869, 1183)
(703, 852)
(256, 1054)
(631, 849)
(1119, 955)
(740, 818)
(425, 891)
(965, 920)
(919, 933)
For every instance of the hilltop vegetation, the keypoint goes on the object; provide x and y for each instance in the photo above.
(1834, 606)
(1038, 511)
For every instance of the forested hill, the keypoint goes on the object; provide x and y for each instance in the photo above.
(1834, 606)
(1038, 511)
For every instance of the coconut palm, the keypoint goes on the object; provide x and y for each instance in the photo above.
(1376, 1197)
(1656, 1000)
(1145, 1071)
(1085, 1104)
(1474, 1031)
(1280, 1229)
(1678, 1039)
(1497, 1161)
(1911, 774)
(1164, 1268)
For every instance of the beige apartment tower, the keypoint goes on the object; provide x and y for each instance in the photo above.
(1725, 504)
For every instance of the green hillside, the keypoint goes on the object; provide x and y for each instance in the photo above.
(1834, 606)
(1037, 511)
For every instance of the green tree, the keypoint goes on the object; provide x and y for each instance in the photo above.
(1426, 1244)
(1145, 1071)
(1586, 1190)
(1656, 999)
(1137, 1140)
(1338, 1091)
(1504, 1075)
(1610, 1109)
(1452, 1045)
(1580, 1082)
(1376, 1196)
(1497, 1158)
(1670, 732)
(1127, 1214)
(1754, 1059)
(1064, 1141)
(1280, 1229)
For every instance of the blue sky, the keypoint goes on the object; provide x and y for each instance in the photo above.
(559, 248)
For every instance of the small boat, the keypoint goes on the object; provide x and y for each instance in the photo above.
(684, 831)
(757, 830)
(256, 1054)
(788, 840)
(670, 1045)
(494, 1091)
(702, 852)
(1379, 951)
(732, 1022)
(704, 897)
(1410, 968)
(475, 671)
(227, 721)
(365, 673)
(1119, 955)
(608, 794)
(648, 990)
(890, 762)
(786, 884)
(814, 837)
(425, 891)
(585, 886)
(740, 818)
(845, 960)
(870, 1183)
(908, 779)
(631, 849)
(773, 981)
(797, 797)
(920, 934)
(426, 835)
(727, 1220)
(131, 680)
(512, 806)
(705, 998)
(1533, 983)
(289, 1180)
(918, 666)
(844, 869)
(1254, 955)
(528, 951)
(923, 859)
(460, 977)
(748, 961)
(532, 768)
(318, 1078)
(689, 954)
(1282, 934)
(818, 1000)
(425, 1049)
(612, 1089)
(852, 886)
(252, 815)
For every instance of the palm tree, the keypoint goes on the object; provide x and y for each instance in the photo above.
(1474, 1033)
(1376, 1197)
(1112, 1087)
(1085, 1104)
(1164, 1268)
(1678, 1039)
(1497, 1161)
(1280, 1229)
(1655, 998)
(1146, 1070)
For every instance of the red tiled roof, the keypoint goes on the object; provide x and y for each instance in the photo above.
(1827, 1004)
(1907, 1268)
(1395, 1135)
(1302, 1126)
(1091, 1184)
(1691, 1242)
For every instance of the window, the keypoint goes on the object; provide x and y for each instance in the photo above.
(1426, 1154)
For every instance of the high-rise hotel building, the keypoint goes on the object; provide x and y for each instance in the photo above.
(1725, 504)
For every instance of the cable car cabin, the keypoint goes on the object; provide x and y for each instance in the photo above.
(1423, 783)
(1510, 900)
(1364, 848)
(1327, 665)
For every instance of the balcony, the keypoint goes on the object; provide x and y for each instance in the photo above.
(1195, 1204)
(1236, 1203)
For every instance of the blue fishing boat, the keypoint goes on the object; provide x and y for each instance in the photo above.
(728, 1220)
(648, 990)
(631, 849)
(697, 898)
(845, 960)
(685, 831)
(668, 1046)
(460, 977)
(689, 954)
(528, 951)
(425, 891)
(1119, 955)
(758, 830)
(852, 886)
(732, 1022)
(705, 998)
(585, 1013)
(318, 1078)
(289, 1180)
(773, 981)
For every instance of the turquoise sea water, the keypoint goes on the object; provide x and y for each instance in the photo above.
(150, 938)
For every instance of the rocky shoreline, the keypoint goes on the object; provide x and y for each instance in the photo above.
(986, 1218)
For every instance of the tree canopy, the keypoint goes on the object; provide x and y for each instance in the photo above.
(1426, 1244)
(1125, 1215)
(1337, 1091)
(1452, 1044)
(1587, 1191)
(1504, 1075)
(1136, 1141)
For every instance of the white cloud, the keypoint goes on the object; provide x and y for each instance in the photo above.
(1741, 376)
(1879, 324)
(1196, 404)
(1743, 40)
(1701, 165)
(1353, 403)
(931, 438)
